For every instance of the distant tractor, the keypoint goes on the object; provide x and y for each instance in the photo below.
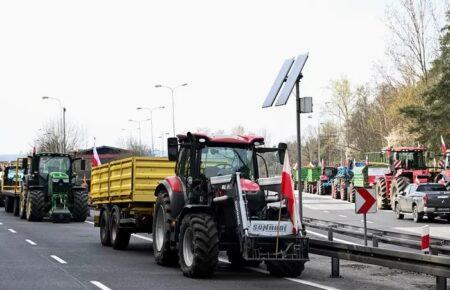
(443, 177)
(326, 180)
(341, 182)
(50, 189)
(406, 165)
(365, 176)
(311, 178)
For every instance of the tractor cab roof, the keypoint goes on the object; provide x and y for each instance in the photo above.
(240, 140)
(406, 149)
(52, 154)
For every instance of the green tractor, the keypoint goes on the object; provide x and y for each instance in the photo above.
(51, 189)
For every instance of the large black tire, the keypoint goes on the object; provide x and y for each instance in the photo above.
(164, 254)
(16, 206)
(35, 205)
(447, 184)
(198, 245)
(320, 189)
(381, 191)
(120, 238)
(285, 268)
(9, 204)
(2, 201)
(105, 237)
(351, 193)
(236, 260)
(80, 206)
(343, 191)
(397, 185)
(22, 205)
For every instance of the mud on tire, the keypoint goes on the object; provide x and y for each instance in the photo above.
(198, 245)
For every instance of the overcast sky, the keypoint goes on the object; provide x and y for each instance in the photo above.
(103, 59)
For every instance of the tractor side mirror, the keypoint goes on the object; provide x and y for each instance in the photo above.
(282, 147)
(82, 165)
(172, 148)
(25, 165)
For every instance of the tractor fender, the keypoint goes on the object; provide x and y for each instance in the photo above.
(188, 209)
(177, 195)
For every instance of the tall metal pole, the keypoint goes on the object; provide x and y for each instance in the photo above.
(64, 130)
(299, 151)
(151, 130)
(173, 112)
(318, 140)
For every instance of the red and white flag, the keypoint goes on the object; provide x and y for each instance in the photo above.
(443, 147)
(287, 189)
(95, 158)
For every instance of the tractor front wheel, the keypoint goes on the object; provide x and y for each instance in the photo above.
(290, 269)
(381, 191)
(9, 204)
(198, 245)
(80, 206)
(22, 206)
(35, 205)
(120, 238)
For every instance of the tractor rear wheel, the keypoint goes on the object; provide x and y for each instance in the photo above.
(80, 206)
(35, 205)
(235, 258)
(164, 254)
(105, 237)
(198, 245)
(351, 193)
(320, 189)
(9, 204)
(16, 206)
(290, 269)
(120, 238)
(381, 191)
(399, 184)
(343, 191)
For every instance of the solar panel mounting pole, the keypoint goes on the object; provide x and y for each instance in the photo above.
(299, 149)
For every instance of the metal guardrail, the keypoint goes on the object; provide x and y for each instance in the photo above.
(412, 241)
(429, 264)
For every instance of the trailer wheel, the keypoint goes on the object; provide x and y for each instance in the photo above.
(236, 260)
(9, 204)
(35, 205)
(285, 268)
(16, 206)
(80, 206)
(381, 191)
(22, 206)
(198, 245)
(120, 238)
(105, 237)
(164, 254)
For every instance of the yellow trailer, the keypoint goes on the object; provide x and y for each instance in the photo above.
(11, 186)
(123, 192)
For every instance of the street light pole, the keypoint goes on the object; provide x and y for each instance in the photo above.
(151, 122)
(63, 110)
(172, 90)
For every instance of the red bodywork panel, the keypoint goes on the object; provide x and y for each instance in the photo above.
(248, 185)
(323, 177)
(175, 183)
(232, 139)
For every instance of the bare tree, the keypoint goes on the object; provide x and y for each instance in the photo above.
(134, 147)
(50, 137)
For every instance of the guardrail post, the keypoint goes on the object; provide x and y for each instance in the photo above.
(334, 261)
(441, 282)
(374, 241)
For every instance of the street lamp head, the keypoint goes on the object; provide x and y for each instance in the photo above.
(45, 97)
(185, 84)
(130, 120)
(139, 108)
(162, 107)
(158, 86)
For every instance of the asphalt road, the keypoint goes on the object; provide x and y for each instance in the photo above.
(43, 255)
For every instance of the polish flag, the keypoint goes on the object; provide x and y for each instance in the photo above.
(95, 158)
(367, 160)
(287, 189)
(443, 147)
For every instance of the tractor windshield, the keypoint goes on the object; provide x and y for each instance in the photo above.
(447, 161)
(330, 172)
(216, 161)
(411, 159)
(49, 164)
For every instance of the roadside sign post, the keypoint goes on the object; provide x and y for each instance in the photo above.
(365, 203)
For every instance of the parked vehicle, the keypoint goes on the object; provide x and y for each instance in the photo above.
(341, 183)
(406, 165)
(326, 180)
(311, 179)
(51, 189)
(222, 197)
(426, 199)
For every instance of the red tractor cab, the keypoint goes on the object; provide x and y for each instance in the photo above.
(406, 165)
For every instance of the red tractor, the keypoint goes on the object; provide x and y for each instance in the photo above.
(444, 176)
(406, 165)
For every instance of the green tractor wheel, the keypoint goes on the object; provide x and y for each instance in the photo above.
(80, 206)
(35, 208)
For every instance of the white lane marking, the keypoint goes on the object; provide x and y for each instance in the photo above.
(89, 222)
(325, 211)
(12, 231)
(369, 222)
(58, 259)
(31, 242)
(334, 239)
(100, 285)
(142, 237)
(342, 216)
(1, 224)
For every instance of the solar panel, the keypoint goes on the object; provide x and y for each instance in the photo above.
(270, 99)
(292, 79)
